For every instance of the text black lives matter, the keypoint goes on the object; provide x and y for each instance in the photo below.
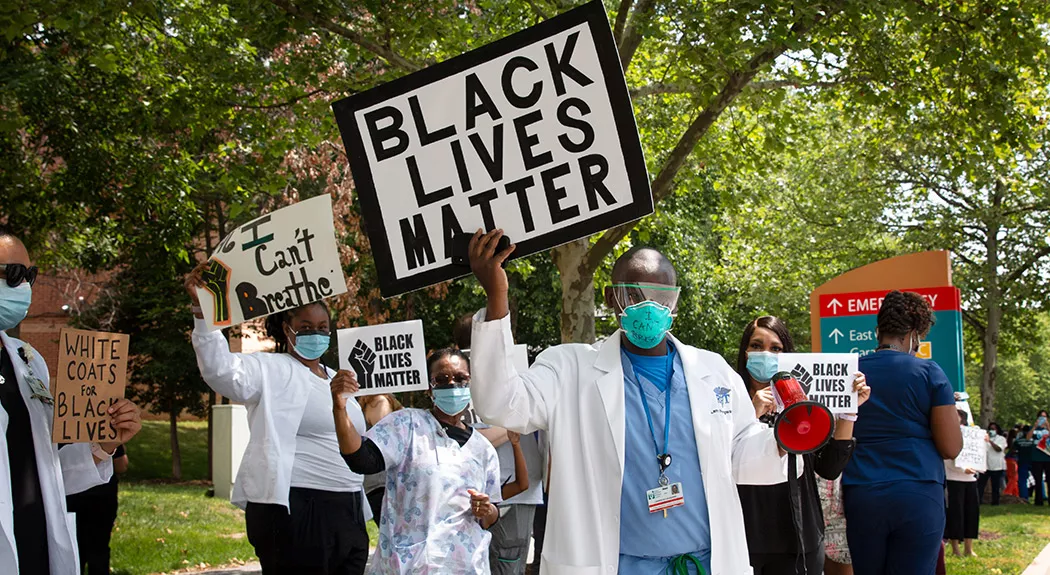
(389, 135)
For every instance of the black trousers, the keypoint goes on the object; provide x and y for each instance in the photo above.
(322, 534)
(1041, 472)
(811, 563)
(963, 514)
(996, 477)
(375, 501)
(95, 518)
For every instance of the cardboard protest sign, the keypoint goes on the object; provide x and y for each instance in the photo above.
(534, 134)
(386, 358)
(974, 454)
(92, 374)
(283, 260)
(827, 378)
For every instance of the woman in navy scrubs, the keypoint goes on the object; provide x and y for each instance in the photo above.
(904, 433)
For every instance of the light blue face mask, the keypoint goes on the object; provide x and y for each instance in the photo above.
(452, 400)
(311, 344)
(762, 365)
(14, 304)
(646, 324)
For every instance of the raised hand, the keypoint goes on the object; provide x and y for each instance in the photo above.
(487, 266)
(343, 385)
(363, 360)
(126, 421)
(764, 402)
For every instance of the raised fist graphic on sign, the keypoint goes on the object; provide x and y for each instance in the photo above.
(363, 360)
(803, 377)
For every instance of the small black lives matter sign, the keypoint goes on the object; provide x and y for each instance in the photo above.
(534, 134)
(386, 358)
(826, 378)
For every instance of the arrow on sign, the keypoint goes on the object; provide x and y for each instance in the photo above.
(836, 334)
(834, 304)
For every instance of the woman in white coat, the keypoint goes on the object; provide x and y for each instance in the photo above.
(304, 508)
(637, 425)
(37, 535)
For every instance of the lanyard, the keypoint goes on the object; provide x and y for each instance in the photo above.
(663, 458)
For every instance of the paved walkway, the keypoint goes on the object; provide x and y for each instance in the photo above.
(1041, 565)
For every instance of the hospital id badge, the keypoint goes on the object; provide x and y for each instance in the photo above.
(665, 497)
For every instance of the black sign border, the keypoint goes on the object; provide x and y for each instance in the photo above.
(593, 14)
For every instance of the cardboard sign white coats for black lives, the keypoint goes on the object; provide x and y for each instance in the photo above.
(92, 375)
(827, 378)
(283, 260)
(534, 134)
(386, 358)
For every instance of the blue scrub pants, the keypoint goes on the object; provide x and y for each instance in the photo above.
(894, 528)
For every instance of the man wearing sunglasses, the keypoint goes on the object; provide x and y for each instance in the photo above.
(648, 436)
(37, 535)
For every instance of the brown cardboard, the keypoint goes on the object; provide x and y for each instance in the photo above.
(92, 375)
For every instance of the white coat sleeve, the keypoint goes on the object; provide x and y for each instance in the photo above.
(756, 456)
(79, 470)
(521, 402)
(238, 376)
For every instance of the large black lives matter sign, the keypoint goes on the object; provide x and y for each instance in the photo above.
(533, 134)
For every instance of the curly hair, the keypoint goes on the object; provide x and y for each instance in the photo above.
(275, 323)
(904, 312)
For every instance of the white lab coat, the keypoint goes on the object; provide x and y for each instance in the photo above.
(576, 393)
(62, 472)
(271, 388)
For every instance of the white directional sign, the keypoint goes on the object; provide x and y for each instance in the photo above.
(834, 306)
(836, 334)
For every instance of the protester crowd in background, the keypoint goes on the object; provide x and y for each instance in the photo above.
(456, 490)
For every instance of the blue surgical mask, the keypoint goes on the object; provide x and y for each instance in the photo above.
(646, 324)
(311, 344)
(452, 400)
(762, 365)
(14, 304)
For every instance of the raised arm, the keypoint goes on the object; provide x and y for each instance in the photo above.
(521, 470)
(517, 401)
(361, 455)
(234, 375)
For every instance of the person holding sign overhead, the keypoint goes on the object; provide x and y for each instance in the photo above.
(639, 425)
(904, 432)
(443, 481)
(783, 537)
(37, 535)
(304, 509)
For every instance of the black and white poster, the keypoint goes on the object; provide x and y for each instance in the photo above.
(534, 134)
(386, 358)
(826, 378)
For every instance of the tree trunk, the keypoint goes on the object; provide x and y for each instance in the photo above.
(577, 292)
(176, 455)
(993, 308)
(211, 393)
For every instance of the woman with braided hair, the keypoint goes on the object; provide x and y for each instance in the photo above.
(893, 487)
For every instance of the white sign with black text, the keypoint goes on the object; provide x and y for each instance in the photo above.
(534, 134)
(827, 378)
(283, 260)
(386, 358)
(974, 454)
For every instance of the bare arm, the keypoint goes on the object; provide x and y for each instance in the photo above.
(120, 464)
(947, 435)
(377, 410)
(349, 439)
(521, 470)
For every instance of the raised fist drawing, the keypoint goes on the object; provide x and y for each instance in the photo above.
(803, 377)
(363, 360)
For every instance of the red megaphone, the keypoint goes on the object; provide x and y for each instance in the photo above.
(802, 426)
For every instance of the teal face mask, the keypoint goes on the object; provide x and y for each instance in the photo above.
(762, 365)
(452, 400)
(14, 304)
(311, 344)
(646, 324)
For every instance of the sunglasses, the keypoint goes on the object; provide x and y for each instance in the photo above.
(15, 273)
(444, 379)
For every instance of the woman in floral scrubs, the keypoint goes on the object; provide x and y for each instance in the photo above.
(442, 477)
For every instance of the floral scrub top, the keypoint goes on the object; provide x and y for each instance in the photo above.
(427, 525)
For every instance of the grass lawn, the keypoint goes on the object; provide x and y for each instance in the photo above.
(149, 452)
(164, 526)
(1011, 537)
